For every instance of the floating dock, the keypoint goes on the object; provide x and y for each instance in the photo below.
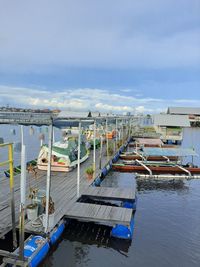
(64, 195)
(69, 192)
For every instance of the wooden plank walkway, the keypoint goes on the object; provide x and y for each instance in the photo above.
(110, 193)
(100, 213)
(63, 192)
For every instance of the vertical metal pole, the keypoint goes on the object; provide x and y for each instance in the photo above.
(107, 139)
(48, 182)
(53, 136)
(23, 196)
(122, 133)
(94, 148)
(130, 128)
(78, 166)
(116, 135)
(10, 155)
(100, 156)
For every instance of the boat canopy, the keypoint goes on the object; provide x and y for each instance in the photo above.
(178, 152)
(149, 141)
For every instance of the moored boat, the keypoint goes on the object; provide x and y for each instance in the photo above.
(128, 156)
(156, 169)
(64, 155)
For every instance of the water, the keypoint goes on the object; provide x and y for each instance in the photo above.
(166, 233)
(30, 139)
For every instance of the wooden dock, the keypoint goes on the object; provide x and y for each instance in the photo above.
(110, 193)
(64, 195)
(100, 213)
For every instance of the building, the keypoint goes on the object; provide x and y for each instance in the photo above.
(192, 112)
(170, 127)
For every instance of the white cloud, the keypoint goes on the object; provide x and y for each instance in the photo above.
(85, 99)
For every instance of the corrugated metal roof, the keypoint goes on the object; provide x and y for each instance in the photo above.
(184, 110)
(171, 120)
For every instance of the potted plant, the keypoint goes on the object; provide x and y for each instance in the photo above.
(32, 208)
(51, 212)
(89, 172)
(110, 149)
(119, 143)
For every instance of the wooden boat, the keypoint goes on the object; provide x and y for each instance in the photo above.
(153, 145)
(149, 142)
(155, 169)
(149, 158)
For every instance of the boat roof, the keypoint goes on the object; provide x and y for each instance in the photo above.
(149, 141)
(179, 152)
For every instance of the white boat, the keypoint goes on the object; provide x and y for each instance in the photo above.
(64, 155)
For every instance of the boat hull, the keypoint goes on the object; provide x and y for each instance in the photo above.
(154, 169)
(150, 158)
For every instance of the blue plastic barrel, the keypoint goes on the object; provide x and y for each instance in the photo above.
(122, 231)
(97, 181)
(32, 245)
(57, 233)
(128, 204)
(104, 171)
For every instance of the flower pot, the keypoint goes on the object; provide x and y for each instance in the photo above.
(89, 176)
(51, 220)
(32, 212)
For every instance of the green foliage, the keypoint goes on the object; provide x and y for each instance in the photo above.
(110, 149)
(89, 170)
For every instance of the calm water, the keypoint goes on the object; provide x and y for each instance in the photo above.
(167, 231)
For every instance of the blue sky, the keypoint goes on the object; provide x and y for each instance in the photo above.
(138, 56)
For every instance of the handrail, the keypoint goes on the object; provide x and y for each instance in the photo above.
(11, 177)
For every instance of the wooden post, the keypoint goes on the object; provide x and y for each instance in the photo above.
(48, 182)
(78, 166)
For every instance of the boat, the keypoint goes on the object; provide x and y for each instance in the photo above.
(149, 142)
(132, 156)
(90, 139)
(111, 134)
(173, 169)
(64, 155)
(162, 167)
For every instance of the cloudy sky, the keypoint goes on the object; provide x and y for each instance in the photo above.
(108, 55)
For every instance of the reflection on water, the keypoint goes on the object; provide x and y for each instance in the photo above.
(79, 238)
(146, 185)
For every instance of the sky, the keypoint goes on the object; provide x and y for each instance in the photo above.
(109, 56)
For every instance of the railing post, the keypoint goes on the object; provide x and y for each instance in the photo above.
(10, 157)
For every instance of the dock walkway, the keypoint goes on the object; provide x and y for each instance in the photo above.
(110, 193)
(64, 195)
(100, 213)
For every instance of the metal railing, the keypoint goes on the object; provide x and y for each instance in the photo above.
(11, 178)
